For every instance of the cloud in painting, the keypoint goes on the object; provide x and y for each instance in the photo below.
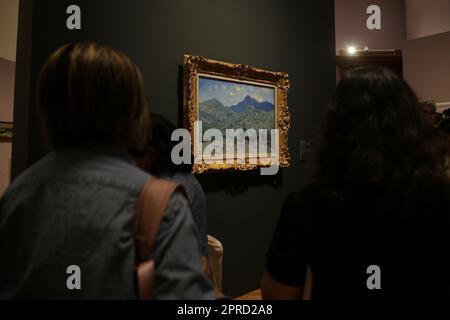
(231, 93)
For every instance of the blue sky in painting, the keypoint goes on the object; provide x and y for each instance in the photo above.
(231, 93)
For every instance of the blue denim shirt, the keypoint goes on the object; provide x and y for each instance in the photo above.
(76, 207)
(197, 199)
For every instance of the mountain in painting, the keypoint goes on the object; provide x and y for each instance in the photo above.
(247, 114)
(249, 101)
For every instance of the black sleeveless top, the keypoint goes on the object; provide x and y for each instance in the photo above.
(405, 234)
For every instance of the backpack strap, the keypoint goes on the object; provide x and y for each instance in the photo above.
(150, 209)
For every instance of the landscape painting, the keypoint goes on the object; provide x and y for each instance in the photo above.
(235, 105)
(245, 105)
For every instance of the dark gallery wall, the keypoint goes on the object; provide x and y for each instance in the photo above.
(296, 37)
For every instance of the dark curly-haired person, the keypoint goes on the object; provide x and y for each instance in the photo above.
(375, 220)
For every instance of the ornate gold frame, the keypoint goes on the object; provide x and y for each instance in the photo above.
(196, 65)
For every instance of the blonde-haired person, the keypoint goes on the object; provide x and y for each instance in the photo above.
(76, 206)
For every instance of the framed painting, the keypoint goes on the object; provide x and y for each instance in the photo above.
(6, 131)
(237, 115)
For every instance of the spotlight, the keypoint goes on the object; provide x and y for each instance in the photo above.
(351, 50)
